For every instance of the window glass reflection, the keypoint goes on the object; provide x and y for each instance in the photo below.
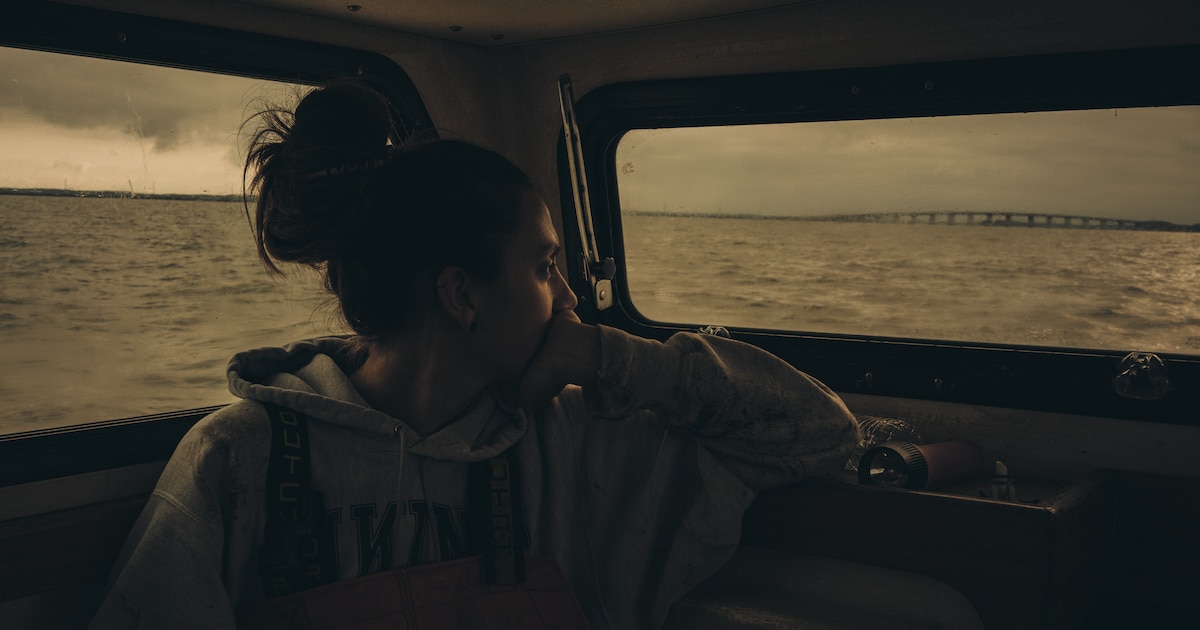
(130, 276)
(1074, 229)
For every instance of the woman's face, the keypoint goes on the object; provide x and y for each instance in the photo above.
(514, 311)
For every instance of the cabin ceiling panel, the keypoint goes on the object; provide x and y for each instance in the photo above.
(506, 22)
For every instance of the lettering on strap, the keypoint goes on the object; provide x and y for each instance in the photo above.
(503, 553)
(291, 558)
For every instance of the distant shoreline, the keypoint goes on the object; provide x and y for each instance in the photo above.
(113, 194)
(993, 219)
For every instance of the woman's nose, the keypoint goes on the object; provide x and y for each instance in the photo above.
(565, 300)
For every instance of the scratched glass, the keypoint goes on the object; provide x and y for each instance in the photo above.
(1076, 229)
(129, 273)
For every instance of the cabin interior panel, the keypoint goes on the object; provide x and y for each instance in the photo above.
(1111, 543)
(809, 36)
(456, 81)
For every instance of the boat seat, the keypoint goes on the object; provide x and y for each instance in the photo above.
(765, 588)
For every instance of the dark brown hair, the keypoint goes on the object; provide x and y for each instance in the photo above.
(338, 192)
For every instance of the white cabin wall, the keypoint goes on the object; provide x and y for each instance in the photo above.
(455, 81)
(862, 33)
(506, 97)
(815, 35)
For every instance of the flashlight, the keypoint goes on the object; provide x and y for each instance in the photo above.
(919, 466)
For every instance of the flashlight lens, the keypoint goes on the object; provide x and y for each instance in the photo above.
(888, 468)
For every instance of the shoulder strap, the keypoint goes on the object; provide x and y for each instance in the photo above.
(498, 502)
(291, 558)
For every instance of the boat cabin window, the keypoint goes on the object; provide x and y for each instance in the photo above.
(1017, 232)
(1076, 229)
(130, 274)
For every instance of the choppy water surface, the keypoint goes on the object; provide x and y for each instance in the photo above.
(121, 307)
(115, 307)
(1112, 289)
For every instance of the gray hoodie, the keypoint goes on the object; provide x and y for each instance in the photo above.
(636, 487)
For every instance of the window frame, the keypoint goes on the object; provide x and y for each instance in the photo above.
(50, 27)
(1036, 378)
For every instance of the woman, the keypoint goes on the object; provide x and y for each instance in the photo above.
(633, 459)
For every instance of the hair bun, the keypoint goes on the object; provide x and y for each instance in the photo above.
(342, 118)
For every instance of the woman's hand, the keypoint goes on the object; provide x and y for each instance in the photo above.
(570, 355)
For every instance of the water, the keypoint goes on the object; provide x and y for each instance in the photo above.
(1104, 289)
(121, 307)
(113, 308)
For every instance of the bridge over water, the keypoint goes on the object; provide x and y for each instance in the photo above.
(1016, 219)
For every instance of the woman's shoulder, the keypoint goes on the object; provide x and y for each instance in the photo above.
(241, 428)
(225, 452)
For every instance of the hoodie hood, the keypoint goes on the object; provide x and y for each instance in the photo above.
(311, 377)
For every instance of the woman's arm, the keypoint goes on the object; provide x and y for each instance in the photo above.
(768, 422)
(182, 561)
(665, 446)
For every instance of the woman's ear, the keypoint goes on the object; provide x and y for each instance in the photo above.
(454, 293)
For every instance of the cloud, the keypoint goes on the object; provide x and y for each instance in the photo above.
(68, 166)
(165, 107)
(40, 155)
(1122, 164)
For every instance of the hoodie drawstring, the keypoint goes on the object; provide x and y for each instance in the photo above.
(399, 431)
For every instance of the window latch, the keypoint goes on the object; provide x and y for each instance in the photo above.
(594, 270)
(1142, 376)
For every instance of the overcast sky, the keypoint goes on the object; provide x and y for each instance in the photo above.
(1138, 164)
(90, 124)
